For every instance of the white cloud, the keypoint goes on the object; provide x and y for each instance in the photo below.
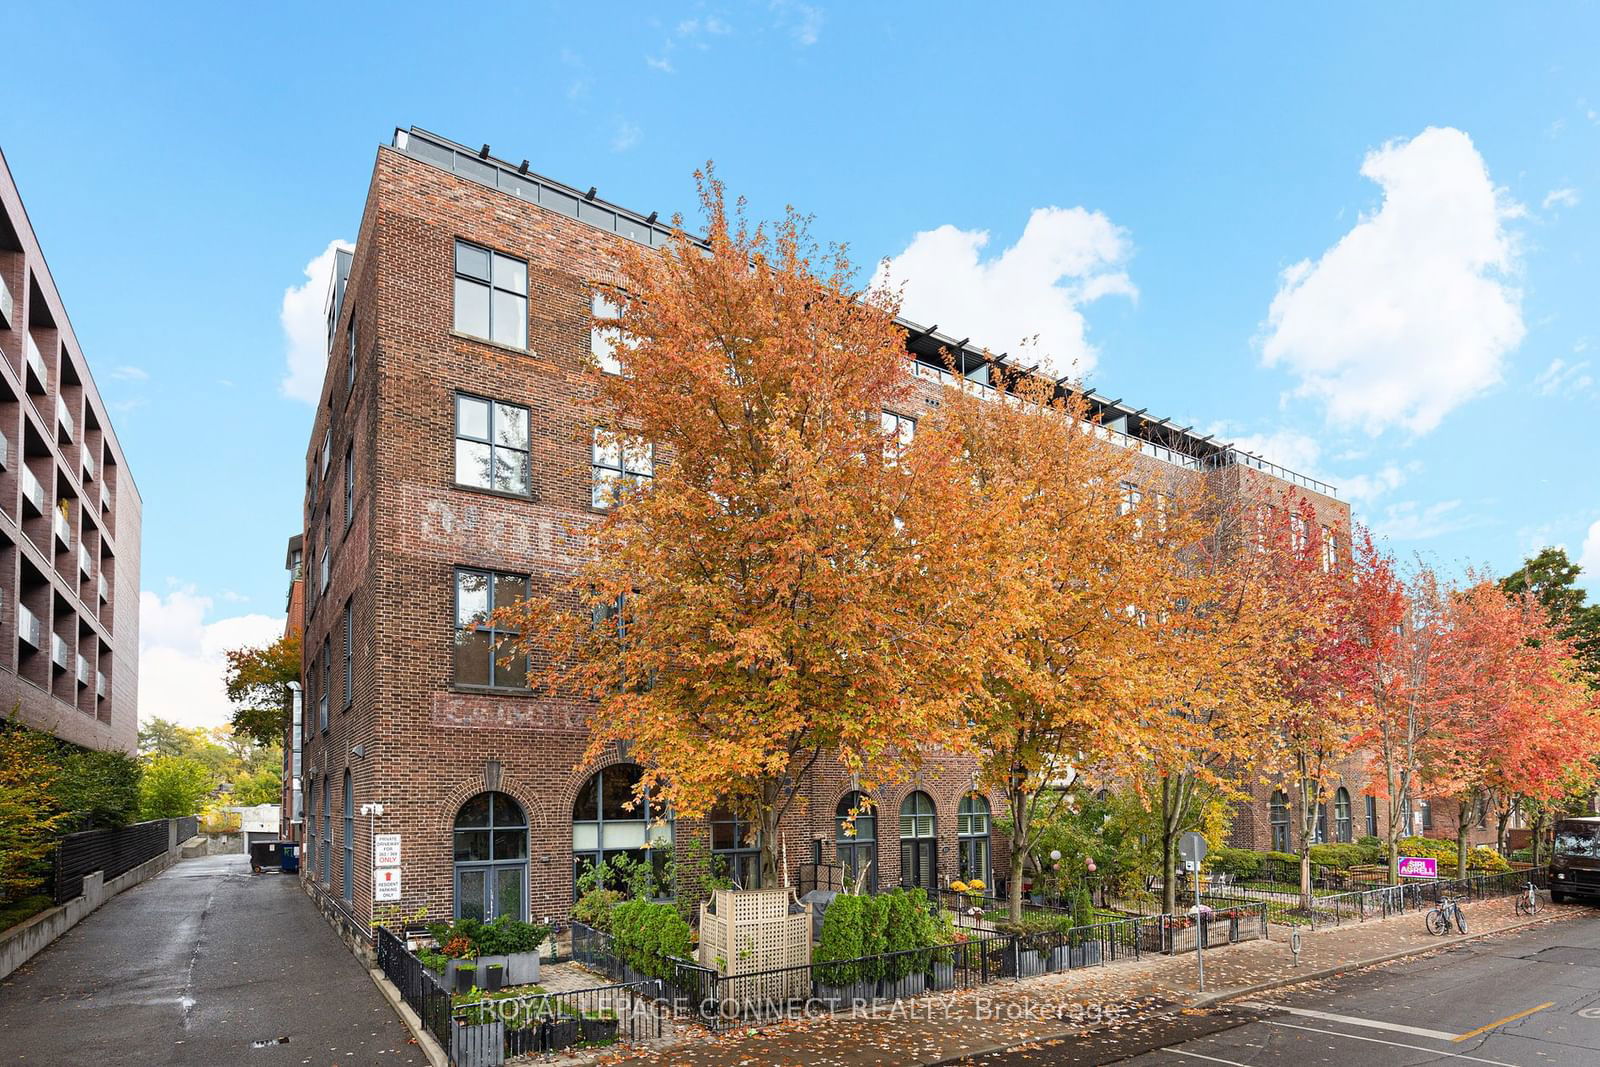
(1561, 377)
(1589, 559)
(305, 327)
(1563, 197)
(803, 22)
(626, 137)
(1412, 312)
(181, 656)
(130, 374)
(1364, 488)
(1065, 258)
(661, 63)
(1410, 521)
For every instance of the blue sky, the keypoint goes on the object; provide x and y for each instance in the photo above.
(1362, 240)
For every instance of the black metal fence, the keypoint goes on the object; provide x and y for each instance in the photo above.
(112, 852)
(489, 1030)
(809, 876)
(1380, 902)
(417, 986)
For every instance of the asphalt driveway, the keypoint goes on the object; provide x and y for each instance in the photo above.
(205, 965)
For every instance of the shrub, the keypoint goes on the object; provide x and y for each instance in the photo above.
(648, 936)
(594, 908)
(1241, 863)
(98, 789)
(874, 934)
(1338, 857)
(843, 930)
(172, 787)
(1487, 860)
(29, 822)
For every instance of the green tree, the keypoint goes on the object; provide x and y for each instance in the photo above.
(162, 737)
(258, 787)
(258, 682)
(96, 789)
(29, 819)
(1553, 578)
(174, 786)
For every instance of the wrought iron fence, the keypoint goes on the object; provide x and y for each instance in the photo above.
(811, 875)
(417, 986)
(488, 1030)
(1216, 923)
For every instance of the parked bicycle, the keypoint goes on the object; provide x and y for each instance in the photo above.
(1528, 900)
(1439, 916)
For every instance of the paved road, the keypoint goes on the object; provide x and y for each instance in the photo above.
(194, 967)
(1520, 1000)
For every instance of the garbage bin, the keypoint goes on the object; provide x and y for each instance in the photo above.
(265, 856)
(290, 853)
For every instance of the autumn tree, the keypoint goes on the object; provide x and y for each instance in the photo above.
(1553, 579)
(773, 593)
(259, 683)
(30, 822)
(1071, 578)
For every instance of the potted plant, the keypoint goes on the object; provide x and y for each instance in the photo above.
(597, 1028)
(477, 1036)
(494, 975)
(466, 975)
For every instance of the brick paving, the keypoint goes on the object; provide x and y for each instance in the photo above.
(942, 1028)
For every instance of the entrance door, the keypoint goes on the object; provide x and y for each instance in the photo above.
(917, 863)
(491, 891)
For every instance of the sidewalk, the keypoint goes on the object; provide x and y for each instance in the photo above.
(937, 1029)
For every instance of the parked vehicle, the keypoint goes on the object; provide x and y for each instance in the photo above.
(1575, 859)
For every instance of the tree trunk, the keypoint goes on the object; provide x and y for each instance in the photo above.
(1538, 837)
(1169, 872)
(1502, 818)
(771, 877)
(1464, 814)
(1019, 853)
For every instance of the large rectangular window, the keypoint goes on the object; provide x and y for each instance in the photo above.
(327, 682)
(491, 445)
(350, 372)
(618, 463)
(349, 653)
(478, 655)
(350, 483)
(898, 432)
(491, 295)
(603, 341)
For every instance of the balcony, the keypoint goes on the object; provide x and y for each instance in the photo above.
(105, 500)
(35, 361)
(84, 673)
(64, 419)
(88, 467)
(5, 452)
(32, 491)
(28, 628)
(85, 561)
(105, 590)
(100, 686)
(7, 305)
(63, 530)
(58, 651)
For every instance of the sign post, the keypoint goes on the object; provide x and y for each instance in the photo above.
(1192, 848)
(1419, 867)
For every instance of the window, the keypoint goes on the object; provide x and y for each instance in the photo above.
(1299, 534)
(491, 445)
(327, 831)
(603, 341)
(350, 371)
(326, 455)
(490, 840)
(349, 484)
(349, 838)
(611, 820)
(619, 463)
(1372, 816)
(1427, 816)
(856, 840)
(1341, 816)
(491, 295)
(1320, 835)
(918, 845)
(349, 653)
(1132, 497)
(1278, 818)
(898, 432)
(972, 837)
(311, 833)
(322, 571)
(735, 848)
(327, 683)
(477, 661)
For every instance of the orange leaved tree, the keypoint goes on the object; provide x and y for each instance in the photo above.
(774, 593)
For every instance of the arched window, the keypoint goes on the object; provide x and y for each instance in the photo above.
(919, 846)
(327, 830)
(1321, 837)
(1341, 816)
(491, 858)
(349, 838)
(972, 838)
(735, 848)
(610, 821)
(856, 840)
(1279, 818)
(310, 864)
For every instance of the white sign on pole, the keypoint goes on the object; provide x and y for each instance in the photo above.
(386, 850)
(386, 883)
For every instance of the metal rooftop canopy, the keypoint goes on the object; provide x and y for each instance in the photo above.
(1159, 438)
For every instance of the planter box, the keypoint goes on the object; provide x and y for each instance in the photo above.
(943, 977)
(465, 978)
(597, 1031)
(1024, 963)
(910, 985)
(478, 1045)
(522, 968)
(1087, 955)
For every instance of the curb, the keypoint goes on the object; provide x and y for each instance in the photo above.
(1207, 1000)
(426, 1042)
(1210, 1000)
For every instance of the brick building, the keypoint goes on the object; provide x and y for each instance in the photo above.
(291, 814)
(69, 516)
(450, 459)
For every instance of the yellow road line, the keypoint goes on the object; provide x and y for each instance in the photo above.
(1502, 1022)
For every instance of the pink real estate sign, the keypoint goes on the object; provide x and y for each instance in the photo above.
(1419, 867)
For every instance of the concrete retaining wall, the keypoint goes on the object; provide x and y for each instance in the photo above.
(28, 938)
